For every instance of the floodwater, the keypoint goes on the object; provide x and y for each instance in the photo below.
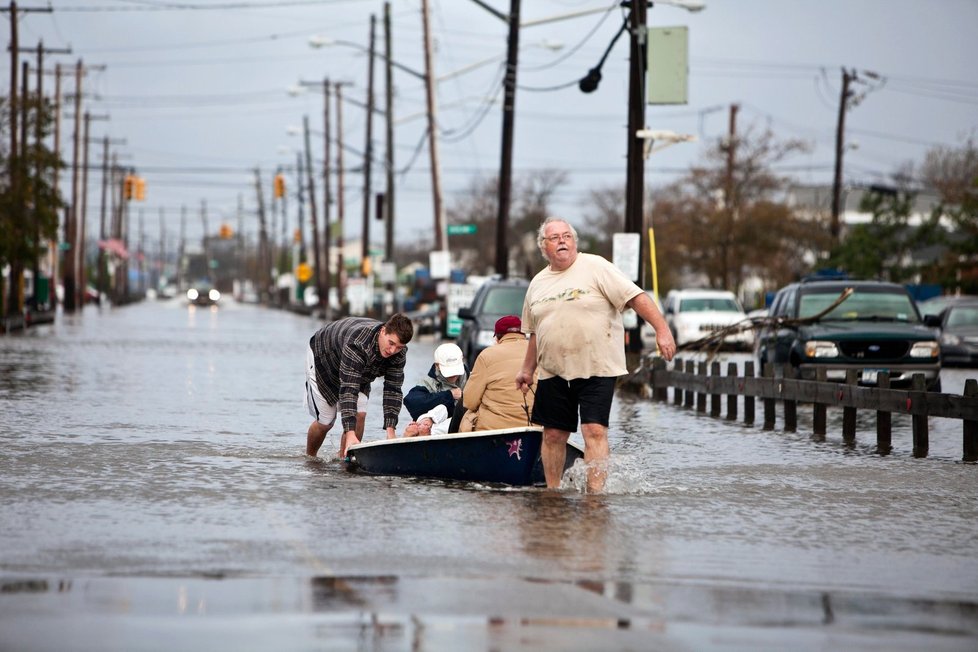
(154, 495)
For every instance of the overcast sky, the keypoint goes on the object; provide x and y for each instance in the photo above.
(198, 92)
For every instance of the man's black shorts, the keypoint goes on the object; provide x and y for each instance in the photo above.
(557, 401)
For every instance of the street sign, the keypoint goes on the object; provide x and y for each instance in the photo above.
(440, 263)
(668, 69)
(460, 295)
(626, 249)
(303, 272)
(461, 229)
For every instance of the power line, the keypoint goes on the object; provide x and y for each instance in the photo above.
(150, 5)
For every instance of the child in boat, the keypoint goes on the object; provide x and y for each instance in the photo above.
(433, 422)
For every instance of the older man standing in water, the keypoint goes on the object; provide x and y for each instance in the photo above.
(573, 312)
(343, 358)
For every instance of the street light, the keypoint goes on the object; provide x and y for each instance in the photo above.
(665, 137)
(319, 41)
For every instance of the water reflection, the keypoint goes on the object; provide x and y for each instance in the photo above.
(572, 529)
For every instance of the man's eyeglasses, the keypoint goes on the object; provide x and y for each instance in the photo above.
(559, 237)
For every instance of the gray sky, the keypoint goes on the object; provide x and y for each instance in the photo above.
(202, 85)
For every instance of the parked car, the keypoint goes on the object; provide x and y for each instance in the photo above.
(494, 299)
(877, 328)
(937, 305)
(959, 334)
(695, 314)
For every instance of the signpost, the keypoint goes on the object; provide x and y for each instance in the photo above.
(460, 295)
(626, 250)
(461, 229)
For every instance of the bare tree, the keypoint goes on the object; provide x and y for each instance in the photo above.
(532, 195)
(722, 223)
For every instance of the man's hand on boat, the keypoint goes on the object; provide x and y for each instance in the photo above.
(348, 439)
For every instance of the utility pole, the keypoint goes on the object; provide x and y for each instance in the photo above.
(181, 247)
(635, 178)
(11, 305)
(80, 256)
(38, 143)
(102, 235)
(340, 201)
(161, 253)
(729, 202)
(263, 254)
(848, 76)
(310, 184)
(368, 156)
(441, 241)
(327, 200)
(207, 240)
(506, 156)
(140, 256)
(389, 106)
(70, 267)
(82, 230)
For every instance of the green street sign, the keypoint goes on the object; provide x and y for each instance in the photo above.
(461, 229)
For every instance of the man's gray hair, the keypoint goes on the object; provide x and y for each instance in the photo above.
(541, 232)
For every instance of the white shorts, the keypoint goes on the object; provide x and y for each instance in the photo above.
(317, 406)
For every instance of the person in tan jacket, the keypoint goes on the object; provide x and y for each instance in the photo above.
(490, 397)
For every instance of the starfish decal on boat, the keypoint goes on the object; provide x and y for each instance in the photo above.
(515, 448)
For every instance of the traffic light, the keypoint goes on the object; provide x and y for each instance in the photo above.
(140, 189)
(279, 185)
(379, 208)
(129, 186)
(226, 232)
(365, 267)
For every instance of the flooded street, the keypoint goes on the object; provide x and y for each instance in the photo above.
(154, 495)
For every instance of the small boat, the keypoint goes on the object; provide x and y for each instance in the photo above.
(508, 456)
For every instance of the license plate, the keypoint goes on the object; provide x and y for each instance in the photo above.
(871, 376)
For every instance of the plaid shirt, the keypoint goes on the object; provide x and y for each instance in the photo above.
(348, 359)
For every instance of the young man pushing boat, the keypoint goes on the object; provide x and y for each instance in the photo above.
(572, 312)
(343, 358)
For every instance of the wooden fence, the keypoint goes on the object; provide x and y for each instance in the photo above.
(694, 387)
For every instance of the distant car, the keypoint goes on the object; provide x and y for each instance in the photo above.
(494, 299)
(877, 328)
(937, 305)
(959, 334)
(696, 314)
(203, 294)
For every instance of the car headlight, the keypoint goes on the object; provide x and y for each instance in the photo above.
(214, 295)
(192, 294)
(821, 349)
(925, 350)
(485, 338)
(950, 339)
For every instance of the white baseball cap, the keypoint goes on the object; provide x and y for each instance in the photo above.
(449, 359)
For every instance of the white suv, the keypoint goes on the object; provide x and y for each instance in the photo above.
(695, 314)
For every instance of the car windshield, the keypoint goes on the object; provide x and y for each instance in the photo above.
(963, 316)
(705, 303)
(861, 305)
(504, 301)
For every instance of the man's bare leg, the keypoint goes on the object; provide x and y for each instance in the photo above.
(553, 454)
(596, 453)
(361, 420)
(315, 437)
